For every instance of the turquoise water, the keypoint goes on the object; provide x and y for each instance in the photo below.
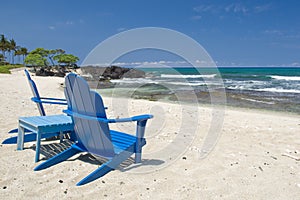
(273, 79)
(273, 88)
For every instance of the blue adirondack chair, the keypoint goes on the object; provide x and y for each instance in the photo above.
(39, 102)
(94, 136)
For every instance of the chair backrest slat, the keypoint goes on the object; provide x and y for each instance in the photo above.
(35, 93)
(93, 135)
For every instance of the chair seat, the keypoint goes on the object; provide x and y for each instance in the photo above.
(122, 141)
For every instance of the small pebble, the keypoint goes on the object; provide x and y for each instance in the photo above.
(103, 181)
(274, 157)
(4, 187)
(60, 181)
(147, 188)
(184, 158)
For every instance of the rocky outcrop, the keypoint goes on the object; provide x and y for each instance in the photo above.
(59, 71)
(93, 73)
(99, 77)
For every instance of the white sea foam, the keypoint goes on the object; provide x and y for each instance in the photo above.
(186, 76)
(258, 101)
(134, 80)
(287, 78)
(281, 90)
(273, 89)
(187, 83)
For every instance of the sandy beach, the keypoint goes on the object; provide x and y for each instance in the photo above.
(255, 156)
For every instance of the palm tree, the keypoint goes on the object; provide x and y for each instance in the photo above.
(1, 58)
(18, 53)
(12, 47)
(3, 45)
(24, 52)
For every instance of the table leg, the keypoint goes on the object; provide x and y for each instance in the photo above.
(61, 136)
(20, 139)
(37, 148)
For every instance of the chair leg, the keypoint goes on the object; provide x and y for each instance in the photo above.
(107, 167)
(61, 136)
(73, 136)
(29, 137)
(140, 131)
(58, 158)
(16, 131)
(99, 172)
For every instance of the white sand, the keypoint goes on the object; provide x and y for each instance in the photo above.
(247, 162)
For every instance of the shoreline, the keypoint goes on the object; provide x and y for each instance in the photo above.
(203, 104)
(247, 162)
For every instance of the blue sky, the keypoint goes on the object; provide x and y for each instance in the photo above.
(233, 32)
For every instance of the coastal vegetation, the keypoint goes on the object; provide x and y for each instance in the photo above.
(42, 61)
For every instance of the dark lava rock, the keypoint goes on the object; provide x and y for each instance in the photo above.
(93, 73)
(99, 77)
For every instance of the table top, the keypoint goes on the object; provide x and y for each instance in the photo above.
(46, 121)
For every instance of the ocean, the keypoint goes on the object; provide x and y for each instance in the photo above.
(271, 88)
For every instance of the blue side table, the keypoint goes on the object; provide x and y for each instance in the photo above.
(43, 125)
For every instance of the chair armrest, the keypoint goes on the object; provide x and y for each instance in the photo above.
(53, 99)
(48, 101)
(74, 114)
(131, 119)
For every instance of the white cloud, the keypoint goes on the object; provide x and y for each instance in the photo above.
(205, 8)
(273, 32)
(286, 34)
(69, 22)
(295, 64)
(236, 8)
(262, 8)
(196, 17)
(51, 27)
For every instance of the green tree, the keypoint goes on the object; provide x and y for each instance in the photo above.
(35, 60)
(18, 53)
(3, 45)
(12, 47)
(44, 53)
(41, 51)
(67, 59)
(53, 53)
(24, 53)
(1, 59)
(21, 51)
